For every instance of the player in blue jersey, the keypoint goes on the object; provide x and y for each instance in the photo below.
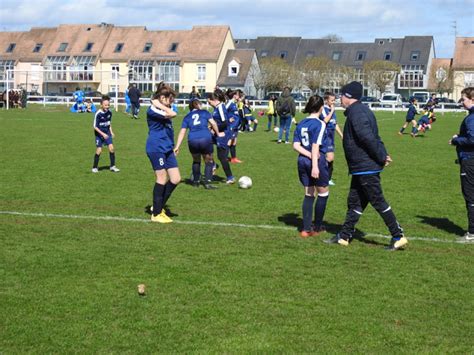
(159, 148)
(220, 115)
(104, 134)
(328, 115)
(199, 141)
(233, 98)
(249, 116)
(128, 103)
(410, 118)
(312, 166)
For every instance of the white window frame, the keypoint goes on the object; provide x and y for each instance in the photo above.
(201, 72)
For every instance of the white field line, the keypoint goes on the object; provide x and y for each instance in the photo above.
(199, 223)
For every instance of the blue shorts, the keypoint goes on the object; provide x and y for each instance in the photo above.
(201, 146)
(330, 141)
(424, 120)
(250, 118)
(160, 161)
(304, 172)
(409, 119)
(222, 141)
(234, 133)
(100, 141)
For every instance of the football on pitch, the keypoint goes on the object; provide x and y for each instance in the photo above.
(276, 129)
(245, 182)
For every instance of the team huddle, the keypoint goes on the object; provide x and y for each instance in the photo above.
(313, 139)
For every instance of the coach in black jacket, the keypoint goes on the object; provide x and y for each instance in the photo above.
(366, 157)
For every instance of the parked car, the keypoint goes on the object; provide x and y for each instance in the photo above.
(445, 100)
(274, 93)
(34, 96)
(298, 97)
(421, 96)
(183, 96)
(368, 99)
(93, 94)
(391, 98)
(111, 94)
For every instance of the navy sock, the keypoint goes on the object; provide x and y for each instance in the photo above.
(169, 188)
(308, 202)
(96, 161)
(196, 171)
(319, 210)
(112, 159)
(330, 169)
(208, 171)
(402, 129)
(158, 190)
(255, 126)
(233, 152)
(414, 130)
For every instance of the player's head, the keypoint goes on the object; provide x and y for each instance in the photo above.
(467, 97)
(194, 104)
(314, 105)
(105, 102)
(164, 93)
(232, 94)
(412, 100)
(216, 98)
(329, 98)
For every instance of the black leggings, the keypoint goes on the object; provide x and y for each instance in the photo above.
(222, 154)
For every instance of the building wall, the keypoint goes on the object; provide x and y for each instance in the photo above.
(462, 79)
(189, 76)
(29, 76)
(108, 79)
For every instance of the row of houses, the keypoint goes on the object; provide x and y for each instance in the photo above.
(107, 58)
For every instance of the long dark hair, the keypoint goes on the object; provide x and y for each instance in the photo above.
(314, 104)
(218, 94)
(163, 90)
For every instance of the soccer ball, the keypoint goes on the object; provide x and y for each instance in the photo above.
(276, 129)
(245, 182)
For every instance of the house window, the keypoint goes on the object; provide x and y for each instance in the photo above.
(201, 72)
(283, 54)
(147, 47)
(82, 68)
(309, 54)
(115, 71)
(118, 48)
(11, 47)
(173, 47)
(387, 56)
(415, 55)
(381, 42)
(336, 55)
(264, 54)
(168, 71)
(360, 56)
(141, 72)
(62, 47)
(37, 47)
(468, 79)
(233, 70)
(55, 67)
(88, 47)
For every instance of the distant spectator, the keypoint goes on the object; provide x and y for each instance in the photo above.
(194, 94)
(128, 103)
(23, 98)
(134, 95)
(271, 113)
(286, 109)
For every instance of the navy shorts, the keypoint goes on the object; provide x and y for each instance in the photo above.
(160, 161)
(330, 141)
(409, 119)
(201, 146)
(304, 172)
(222, 141)
(234, 133)
(100, 141)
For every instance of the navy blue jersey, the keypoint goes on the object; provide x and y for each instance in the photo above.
(102, 121)
(221, 117)
(411, 112)
(331, 124)
(233, 112)
(160, 131)
(197, 121)
(308, 132)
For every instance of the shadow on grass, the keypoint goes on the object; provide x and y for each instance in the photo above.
(294, 220)
(442, 223)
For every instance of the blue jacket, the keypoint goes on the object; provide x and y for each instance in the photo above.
(363, 148)
(464, 142)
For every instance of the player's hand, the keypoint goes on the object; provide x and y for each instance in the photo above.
(176, 151)
(113, 135)
(315, 173)
(221, 134)
(293, 120)
(231, 120)
(388, 160)
(106, 136)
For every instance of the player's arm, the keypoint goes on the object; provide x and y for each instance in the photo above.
(468, 139)
(339, 131)
(94, 125)
(111, 131)
(181, 135)
(169, 113)
(297, 146)
(314, 160)
(215, 128)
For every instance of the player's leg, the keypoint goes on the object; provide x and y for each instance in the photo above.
(467, 187)
(208, 167)
(255, 124)
(196, 169)
(282, 125)
(112, 159)
(307, 208)
(98, 151)
(222, 152)
(403, 128)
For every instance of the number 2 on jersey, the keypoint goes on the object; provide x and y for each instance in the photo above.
(195, 118)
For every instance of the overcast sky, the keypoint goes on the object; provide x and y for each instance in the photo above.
(354, 21)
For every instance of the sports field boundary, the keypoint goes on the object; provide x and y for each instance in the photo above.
(197, 223)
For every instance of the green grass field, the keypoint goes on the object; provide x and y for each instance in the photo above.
(231, 274)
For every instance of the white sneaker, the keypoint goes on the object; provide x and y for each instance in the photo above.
(95, 170)
(331, 183)
(467, 238)
(114, 169)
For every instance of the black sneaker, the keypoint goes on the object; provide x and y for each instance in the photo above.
(337, 239)
(195, 184)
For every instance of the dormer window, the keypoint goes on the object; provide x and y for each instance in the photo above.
(360, 56)
(173, 47)
(263, 54)
(414, 56)
(381, 42)
(309, 54)
(88, 47)
(62, 47)
(387, 56)
(11, 47)
(283, 54)
(147, 47)
(37, 47)
(118, 48)
(336, 56)
(234, 68)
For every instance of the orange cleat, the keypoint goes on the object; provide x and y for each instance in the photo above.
(235, 160)
(307, 234)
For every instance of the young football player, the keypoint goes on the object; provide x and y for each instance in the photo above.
(233, 99)
(220, 115)
(104, 134)
(249, 116)
(312, 166)
(159, 149)
(328, 115)
(410, 118)
(199, 141)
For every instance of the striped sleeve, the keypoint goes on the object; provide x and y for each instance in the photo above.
(94, 123)
(319, 140)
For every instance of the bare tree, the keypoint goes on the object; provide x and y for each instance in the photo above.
(442, 78)
(380, 73)
(276, 73)
(333, 38)
(317, 72)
